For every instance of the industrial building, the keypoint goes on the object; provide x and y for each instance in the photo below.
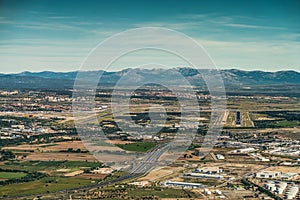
(220, 157)
(200, 175)
(209, 170)
(245, 150)
(268, 174)
(291, 192)
(277, 187)
(183, 184)
(288, 176)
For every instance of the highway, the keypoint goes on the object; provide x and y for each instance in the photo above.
(149, 161)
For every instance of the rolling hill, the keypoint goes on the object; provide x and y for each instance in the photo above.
(65, 80)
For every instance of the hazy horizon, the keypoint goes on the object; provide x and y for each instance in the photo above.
(249, 70)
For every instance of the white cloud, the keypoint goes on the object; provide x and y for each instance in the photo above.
(259, 55)
(252, 26)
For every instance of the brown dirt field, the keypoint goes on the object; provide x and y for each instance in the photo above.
(284, 169)
(106, 157)
(75, 173)
(160, 173)
(63, 146)
(63, 170)
(117, 142)
(92, 147)
(238, 194)
(44, 147)
(60, 157)
(92, 176)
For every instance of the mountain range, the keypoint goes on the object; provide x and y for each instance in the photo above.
(65, 80)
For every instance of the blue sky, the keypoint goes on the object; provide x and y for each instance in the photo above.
(57, 35)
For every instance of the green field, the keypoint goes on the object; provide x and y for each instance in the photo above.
(287, 124)
(44, 185)
(49, 165)
(276, 123)
(11, 175)
(47, 184)
(137, 146)
(140, 193)
(101, 143)
(162, 193)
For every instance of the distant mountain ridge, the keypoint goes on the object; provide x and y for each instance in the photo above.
(57, 80)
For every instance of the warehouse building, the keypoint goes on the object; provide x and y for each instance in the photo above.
(268, 174)
(183, 184)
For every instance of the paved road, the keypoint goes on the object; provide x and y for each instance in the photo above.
(150, 160)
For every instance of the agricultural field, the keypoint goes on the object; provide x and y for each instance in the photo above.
(261, 103)
(56, 176)
(11, 175)
(277, 119)
(44, 185)
(134, 192)
(48, 147)
(138, 146)
(161, 192)
(36, 156)
(161, 173)
(50, 166)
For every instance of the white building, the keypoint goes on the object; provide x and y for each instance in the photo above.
(277, 187)
(291, 192)
(200, 175)
(209, 170)
(270, 186)
(218, 192)
(245, 150)
(288, 176)
(102, 171)
(268, 174)
(183, 184)
(281, 187)
(220, 157)
(207, 191)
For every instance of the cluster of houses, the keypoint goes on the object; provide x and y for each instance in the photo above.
(288, 190)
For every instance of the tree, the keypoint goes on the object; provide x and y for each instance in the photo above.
(6, 155)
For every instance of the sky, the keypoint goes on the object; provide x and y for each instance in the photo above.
(53, 35)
